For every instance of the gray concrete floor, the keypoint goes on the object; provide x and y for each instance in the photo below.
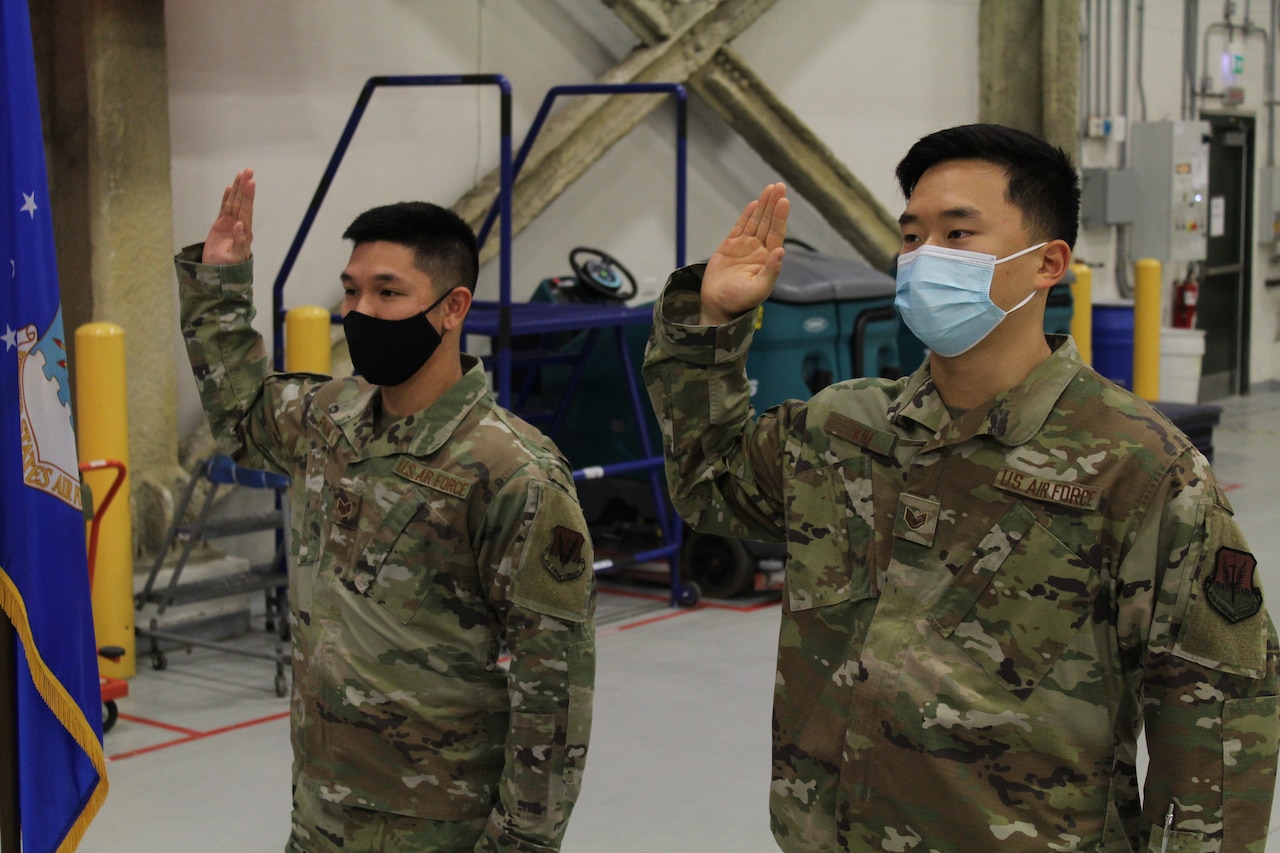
(199, 760)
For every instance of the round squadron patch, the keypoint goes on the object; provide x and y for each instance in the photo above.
(1230, 588)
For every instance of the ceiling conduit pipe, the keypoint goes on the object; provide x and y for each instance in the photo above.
(1138, 58)
(1107, 86)
(1269, 72)
(1190, 26)
(1086, 60)
(1247, 28)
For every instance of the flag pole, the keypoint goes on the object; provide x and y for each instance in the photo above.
(10, 825)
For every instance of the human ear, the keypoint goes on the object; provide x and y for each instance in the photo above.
(1053, 264)
(456, 305)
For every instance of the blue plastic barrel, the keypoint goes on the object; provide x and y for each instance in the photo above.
(1113, 341)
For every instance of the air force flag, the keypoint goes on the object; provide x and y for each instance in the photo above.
(44, 581)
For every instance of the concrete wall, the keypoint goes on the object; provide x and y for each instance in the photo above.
(270, 85)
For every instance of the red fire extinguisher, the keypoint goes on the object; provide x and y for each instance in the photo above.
(1185, 295)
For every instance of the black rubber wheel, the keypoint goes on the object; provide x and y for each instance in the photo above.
(721, 566)
(110, 714)
(282, 685)
(159, 660)
(688, 595)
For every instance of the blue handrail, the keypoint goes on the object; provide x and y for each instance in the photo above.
(682, 159)
(502, 366)
(502, 204)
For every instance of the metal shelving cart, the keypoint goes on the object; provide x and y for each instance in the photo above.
(269, 578)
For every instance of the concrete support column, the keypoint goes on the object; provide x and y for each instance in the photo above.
(104, 87)
(1028, 67)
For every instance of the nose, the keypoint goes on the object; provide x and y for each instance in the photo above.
(359, 302)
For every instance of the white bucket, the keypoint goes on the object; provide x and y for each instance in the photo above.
(1181, 351)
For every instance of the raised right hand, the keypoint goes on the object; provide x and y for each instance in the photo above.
(230, 240)
(741, 273)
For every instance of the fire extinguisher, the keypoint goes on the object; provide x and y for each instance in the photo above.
(1185, 295)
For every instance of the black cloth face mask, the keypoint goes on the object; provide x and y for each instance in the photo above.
(388, 352)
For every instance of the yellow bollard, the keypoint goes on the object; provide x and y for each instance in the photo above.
(1082, 311)
(1146, 329)
(102, 432)
(306, 341)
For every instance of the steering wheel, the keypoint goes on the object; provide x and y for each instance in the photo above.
(602, 274)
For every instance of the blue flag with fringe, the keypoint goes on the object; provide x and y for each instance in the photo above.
(44, 576)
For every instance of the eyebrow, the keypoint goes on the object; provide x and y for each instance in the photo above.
(954, 213)
(380, 277)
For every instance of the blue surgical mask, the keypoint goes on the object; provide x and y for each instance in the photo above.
(944, 296)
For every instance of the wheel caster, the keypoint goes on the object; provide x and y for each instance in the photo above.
(282, 685)
(110, 714)
(721, 566)
(688, 595)
(159, 660)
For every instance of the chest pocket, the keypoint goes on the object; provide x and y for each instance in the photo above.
(390, 560)
(830, 534)
(1018, 602)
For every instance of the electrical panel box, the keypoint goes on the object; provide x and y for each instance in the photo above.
(1171, 161)
(1108, 197)
(1269, 208)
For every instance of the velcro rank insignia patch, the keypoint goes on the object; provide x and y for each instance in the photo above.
(917, 519)
(432, 478)
(1071, 495)
(1231, 588)
(346, 509)
(563, 557)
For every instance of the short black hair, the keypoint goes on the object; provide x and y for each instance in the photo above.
(443, 244)
(1043, 182)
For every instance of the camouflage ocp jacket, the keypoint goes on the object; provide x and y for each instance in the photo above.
(981, 615)
(420, 546)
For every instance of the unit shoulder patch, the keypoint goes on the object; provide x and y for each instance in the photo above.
(563, 556)
(1230, 588)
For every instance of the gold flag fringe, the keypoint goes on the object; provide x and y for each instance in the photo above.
(63, 706)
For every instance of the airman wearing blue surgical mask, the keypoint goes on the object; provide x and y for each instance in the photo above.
(1002, 569)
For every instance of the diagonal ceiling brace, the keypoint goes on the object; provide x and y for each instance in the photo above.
(801, 158)
(579, 134)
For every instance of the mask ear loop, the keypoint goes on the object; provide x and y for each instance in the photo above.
(1023, 252)
(1032, 294)
(446, 295)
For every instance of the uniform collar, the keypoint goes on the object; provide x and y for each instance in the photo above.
(419, 434)
(1013, 417)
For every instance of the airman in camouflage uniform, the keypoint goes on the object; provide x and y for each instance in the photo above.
(1001, 569)
(425, 545)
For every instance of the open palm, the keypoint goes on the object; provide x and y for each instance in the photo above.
(230, 239)
(742, 271)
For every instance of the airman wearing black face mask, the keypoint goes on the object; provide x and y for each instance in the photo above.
(389, 352)
(430, 529)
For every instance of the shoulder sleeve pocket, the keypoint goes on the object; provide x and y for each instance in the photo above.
(1225, 623)
(556, 573)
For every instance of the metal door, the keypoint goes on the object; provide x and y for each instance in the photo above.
(1224, 308)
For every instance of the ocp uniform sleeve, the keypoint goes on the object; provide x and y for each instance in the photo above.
(1210, 671)
(255, 415)
(537, 560)
(724, 469)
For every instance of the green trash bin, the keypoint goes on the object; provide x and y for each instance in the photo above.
(829, 319)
